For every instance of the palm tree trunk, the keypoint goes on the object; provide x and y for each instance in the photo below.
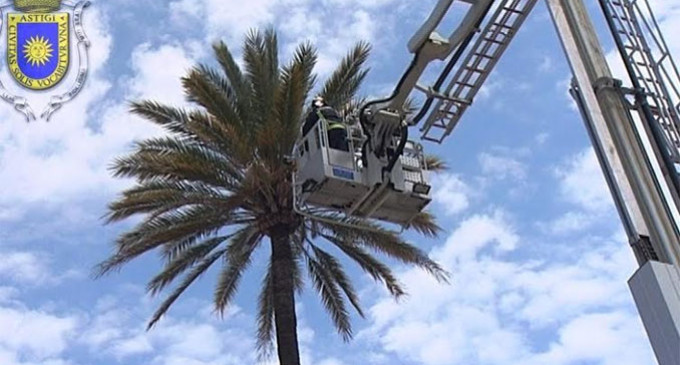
(284, 296)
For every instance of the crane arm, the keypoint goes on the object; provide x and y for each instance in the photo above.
(478, 40)
(386, 117)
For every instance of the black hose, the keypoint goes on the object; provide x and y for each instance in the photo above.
(362, 113)
(395, 92)
(399, 151)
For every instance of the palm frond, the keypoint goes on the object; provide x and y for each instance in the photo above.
(197, 271)
(200, 89)
(181, 263)
(332, 265)
(173, 249)
(226, 139)
(238, 255)
(369, 264)
(265, 316)
(196, 158)
(345, 81)
(218, 79)
(435, 163)
(194, 222)
(260, 55)
(159, 196)
(240, 86)
(331, 296)
(296, 80)
(424, 223)
(384, 241)
(173, 119)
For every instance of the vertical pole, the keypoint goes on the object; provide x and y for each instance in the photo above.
(630, 174)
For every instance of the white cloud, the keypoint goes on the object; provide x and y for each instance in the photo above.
(296, 21)
(114, 329)
(502, 166)
(24, 268)
(9, 214)
(582, 183)
(33, 335)
(546, 65)
(564, 85)
(490, 87)
(451, 193)
(224, 19)
(605, 338)
(158, 71)
(495, 305)
(541, 138)
(561, 291)
(475, 234)
(571, 222)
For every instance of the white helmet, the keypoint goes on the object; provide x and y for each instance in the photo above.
(318, 102)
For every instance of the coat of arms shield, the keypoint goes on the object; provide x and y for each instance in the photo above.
(40, 38)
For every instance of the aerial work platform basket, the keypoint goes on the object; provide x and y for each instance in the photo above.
(339, 179)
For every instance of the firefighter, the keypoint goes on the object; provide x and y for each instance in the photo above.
(337, 133)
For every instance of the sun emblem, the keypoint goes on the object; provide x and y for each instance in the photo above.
(38, 51)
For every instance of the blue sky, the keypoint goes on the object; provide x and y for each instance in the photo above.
(538, 258)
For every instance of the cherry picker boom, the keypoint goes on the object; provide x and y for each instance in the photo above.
(634, 130)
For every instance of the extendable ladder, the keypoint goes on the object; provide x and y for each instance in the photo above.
(478, 64)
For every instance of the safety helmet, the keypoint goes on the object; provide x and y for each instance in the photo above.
(318, 102)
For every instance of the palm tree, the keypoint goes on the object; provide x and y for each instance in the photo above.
(219, 183)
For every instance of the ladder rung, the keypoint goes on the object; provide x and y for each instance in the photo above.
(430, 139)
(499, 25)
(626, 33)
(438, 125)
(464, 84)
(493, 41)
(483, 55)
(444, 122)
(474, 70)
(511, 10)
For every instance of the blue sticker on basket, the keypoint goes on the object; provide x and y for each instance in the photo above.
(345, 174)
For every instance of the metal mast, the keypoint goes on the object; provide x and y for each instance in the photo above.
(637, 146)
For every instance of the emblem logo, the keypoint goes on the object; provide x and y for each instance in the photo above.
(40, 35)
(37, 48)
